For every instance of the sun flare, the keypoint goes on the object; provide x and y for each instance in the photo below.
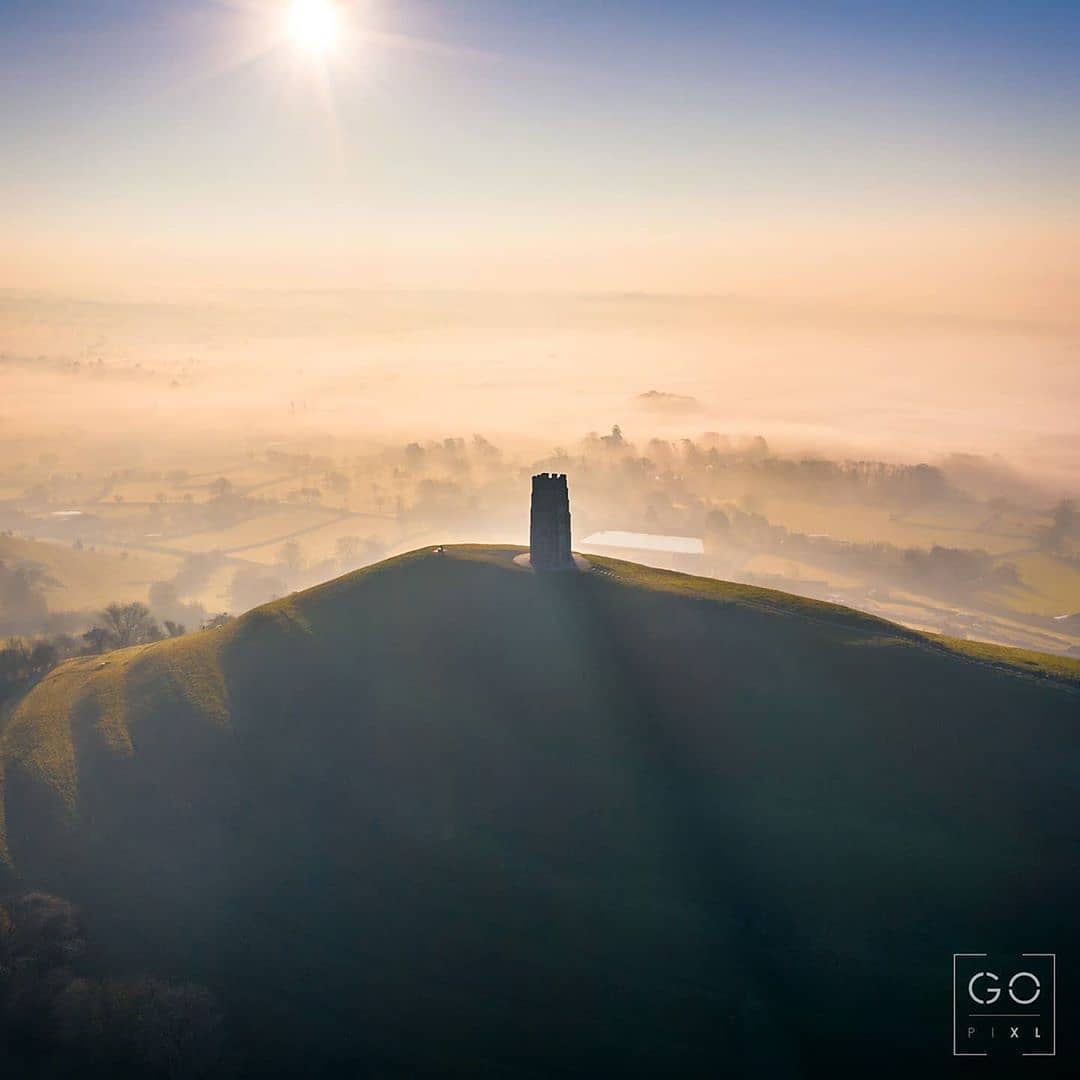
(314, 25)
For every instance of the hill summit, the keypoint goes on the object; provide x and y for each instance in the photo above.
(446, 816)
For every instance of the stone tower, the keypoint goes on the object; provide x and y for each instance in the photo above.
(549, 531)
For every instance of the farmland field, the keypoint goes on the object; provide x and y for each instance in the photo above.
(1051, 586)
(931, 524)
(266, 528)
(89, 579)
(321, 543)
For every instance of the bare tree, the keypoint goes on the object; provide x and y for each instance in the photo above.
(129, 624)
(348, 549)
(23, 607)
(291, 557)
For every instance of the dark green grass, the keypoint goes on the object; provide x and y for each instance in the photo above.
(444, 816)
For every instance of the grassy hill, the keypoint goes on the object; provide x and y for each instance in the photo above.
(445, 816)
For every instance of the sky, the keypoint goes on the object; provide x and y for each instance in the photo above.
(910, 156)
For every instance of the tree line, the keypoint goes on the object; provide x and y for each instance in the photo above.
(117, 626)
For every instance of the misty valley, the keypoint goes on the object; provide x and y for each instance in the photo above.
(965, 547)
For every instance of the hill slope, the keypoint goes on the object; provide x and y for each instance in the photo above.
(442, 814)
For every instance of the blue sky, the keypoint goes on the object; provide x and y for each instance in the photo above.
(192, 131)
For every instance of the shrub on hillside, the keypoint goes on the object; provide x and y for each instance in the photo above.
(50, 1013)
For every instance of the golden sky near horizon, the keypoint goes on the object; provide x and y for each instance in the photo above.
(876, 161)
(991, 270)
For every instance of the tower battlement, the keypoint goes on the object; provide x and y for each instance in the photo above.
(549, 531)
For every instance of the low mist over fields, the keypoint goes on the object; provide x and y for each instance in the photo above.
(205, 454)
(902, 386)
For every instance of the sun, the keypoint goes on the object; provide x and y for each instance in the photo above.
(314, 25)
